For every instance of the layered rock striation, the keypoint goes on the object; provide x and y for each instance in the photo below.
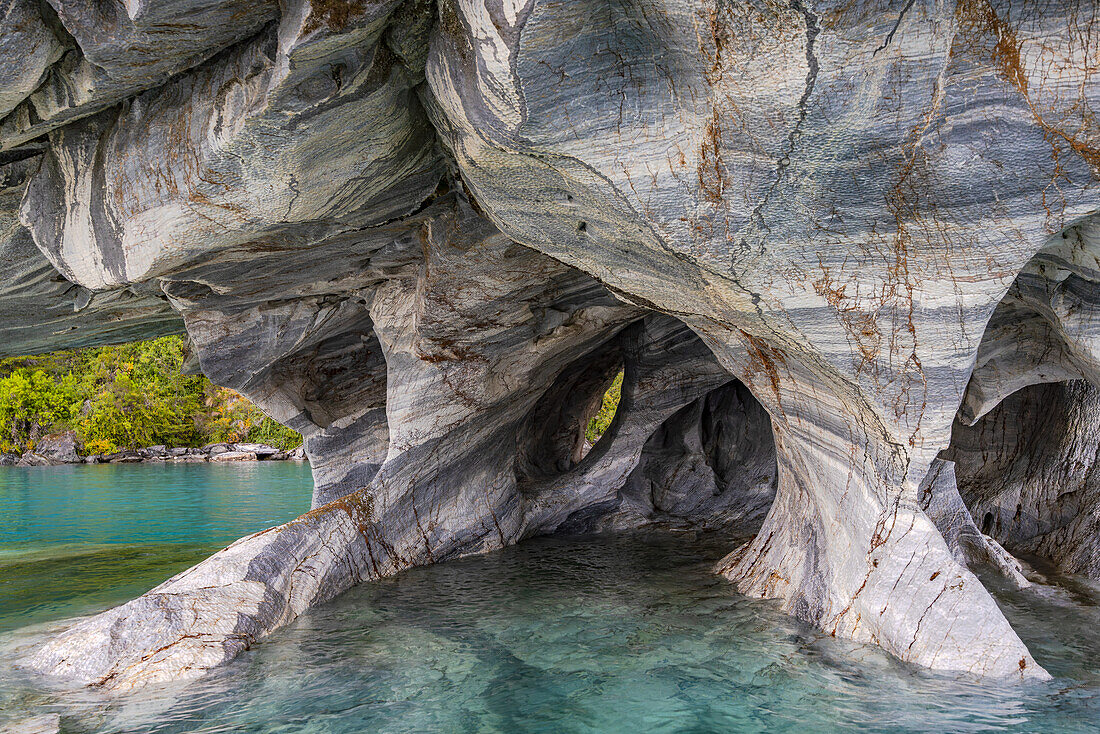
(828, 245)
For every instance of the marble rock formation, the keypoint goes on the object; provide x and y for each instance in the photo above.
(845, 254)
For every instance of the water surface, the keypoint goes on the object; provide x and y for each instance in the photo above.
(80, 538)
(628, 633)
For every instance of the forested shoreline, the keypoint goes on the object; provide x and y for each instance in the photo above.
(125, 397)
(136, 395)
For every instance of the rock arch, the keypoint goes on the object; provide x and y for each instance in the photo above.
(1025, 442)
(399, 226)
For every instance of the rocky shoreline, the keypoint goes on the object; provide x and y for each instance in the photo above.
(64, 449)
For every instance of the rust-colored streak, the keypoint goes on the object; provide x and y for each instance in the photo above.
(766, 359)
(712, 172)
(332, 15)
(978, 19)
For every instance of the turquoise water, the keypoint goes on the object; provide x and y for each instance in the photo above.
(77, 539)
(627, 633)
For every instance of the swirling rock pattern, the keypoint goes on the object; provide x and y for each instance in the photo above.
(819, 238)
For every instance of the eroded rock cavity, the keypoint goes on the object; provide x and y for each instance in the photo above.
(821, 240)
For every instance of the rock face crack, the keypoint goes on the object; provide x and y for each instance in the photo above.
(812, 67)
(893, 30)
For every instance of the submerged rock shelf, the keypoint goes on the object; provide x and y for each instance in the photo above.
(827, 244)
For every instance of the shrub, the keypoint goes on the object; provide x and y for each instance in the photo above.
(600, 422)
(31, 404)
(125, 396)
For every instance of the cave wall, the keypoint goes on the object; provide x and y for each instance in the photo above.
(424, 234)
(1028, 472)
(1025, 441)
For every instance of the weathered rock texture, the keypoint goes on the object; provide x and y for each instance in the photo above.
(427, 235)
(1028, 471)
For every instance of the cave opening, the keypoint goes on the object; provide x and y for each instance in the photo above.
(711, 465)
(599, 423)
(1028, 469)
(1024, 442)
(573, 415)
(649, 430)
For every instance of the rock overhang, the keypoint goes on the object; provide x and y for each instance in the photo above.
(399, 226)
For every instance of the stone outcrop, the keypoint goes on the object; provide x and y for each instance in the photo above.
(60, 448)
(821, 240)
(41, 310)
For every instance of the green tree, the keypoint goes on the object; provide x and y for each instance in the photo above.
(600, 422)
(32, 403)
(274, 433)
(125, 396)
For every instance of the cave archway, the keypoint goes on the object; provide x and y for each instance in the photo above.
(688, 446)
(1030, 470)
(1025, 442)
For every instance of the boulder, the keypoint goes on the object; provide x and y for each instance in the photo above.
(8, 459)
(234, 456)
(32, 459)
(59, 448)
(212, 449)
(187, 459)
(262, 450)
(154, 453)
(125, 456)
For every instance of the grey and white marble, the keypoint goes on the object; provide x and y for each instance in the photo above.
(820, 238)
